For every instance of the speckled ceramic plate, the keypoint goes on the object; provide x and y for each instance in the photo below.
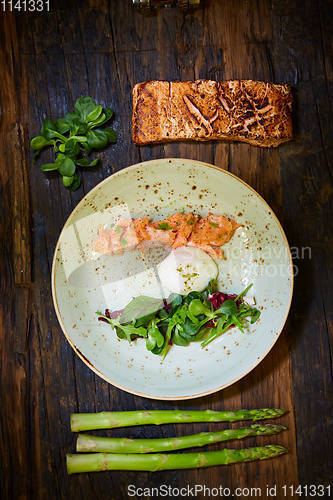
(258, 253)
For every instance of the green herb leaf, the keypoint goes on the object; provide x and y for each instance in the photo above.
(165, 226)
(108, 114)
(212, 286)
(131, 330)
(172, 323)
(192, 318)
(157, 350)
(244, 292)
(236, 322)
(111, 134)
(48, 129)
(97, 139)
(174, 300)
(228, 307)
(76, 182)
(84, 106)
(77, 126)
(67, 181)
(71, 122)
(60, 158)
(178, 339)
(72, 149)
(79, 138)
(102, 119)
(40, 142)
(196, 307)
(67, 168)
(191, 296)
(222, 325)
(145, 320)
(69, 117)
(54, 133)
(87, 148)
(94, 114)
(214, 224)
(255, 315)
(84, 162)
(190, 329)
(62, 125)
(154, 336)
(140, 306)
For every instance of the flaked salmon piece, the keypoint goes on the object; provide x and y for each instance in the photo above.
(164, 236)
(214, 251)
(212, 231)
(178, 228)
(102, 244)
(140, 225)
(119, 237)
(183, 225)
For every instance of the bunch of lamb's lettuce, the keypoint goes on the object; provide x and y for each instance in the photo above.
(181, 319)
(73, 137)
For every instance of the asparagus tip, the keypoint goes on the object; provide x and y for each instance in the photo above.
(276, 449)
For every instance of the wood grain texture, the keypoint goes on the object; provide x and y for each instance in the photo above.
(102, 48)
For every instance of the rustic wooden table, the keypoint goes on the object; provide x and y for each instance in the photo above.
(102, 48)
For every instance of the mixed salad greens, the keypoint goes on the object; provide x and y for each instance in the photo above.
(181, 319)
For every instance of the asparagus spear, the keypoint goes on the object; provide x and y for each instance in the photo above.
(87, 443)
(112, 419)
(92, 462)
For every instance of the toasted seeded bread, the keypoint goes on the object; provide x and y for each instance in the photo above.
(258, 113)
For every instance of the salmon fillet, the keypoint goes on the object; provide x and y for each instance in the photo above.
(258, 113)
(207, 233)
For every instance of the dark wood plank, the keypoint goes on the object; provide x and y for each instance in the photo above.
(306, 165)
(15, 271)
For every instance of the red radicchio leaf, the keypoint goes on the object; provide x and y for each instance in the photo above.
(110, 314)
(167, 306)
(102, 319)
(113, 314)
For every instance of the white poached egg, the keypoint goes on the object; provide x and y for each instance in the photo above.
(186, 269)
